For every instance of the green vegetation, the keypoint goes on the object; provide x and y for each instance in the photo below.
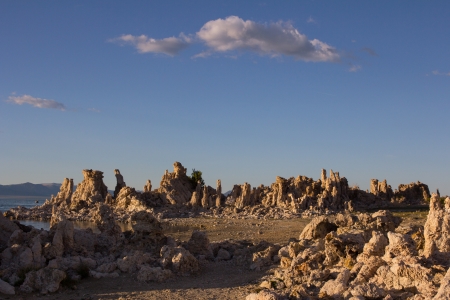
(196, 176)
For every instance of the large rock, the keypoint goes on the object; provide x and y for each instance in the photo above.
(90, 190)
(7, 227)
(176, 187)
(45, 281)
(6, 288)
(437, 229)
(413, 193)
(318, 228)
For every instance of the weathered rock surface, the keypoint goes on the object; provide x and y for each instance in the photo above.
(176, 187)
(437, 229)
(90, 191)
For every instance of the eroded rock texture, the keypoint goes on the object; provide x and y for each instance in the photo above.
(90, 191)
(176, 187)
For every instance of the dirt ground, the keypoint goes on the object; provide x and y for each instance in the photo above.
(222, 280)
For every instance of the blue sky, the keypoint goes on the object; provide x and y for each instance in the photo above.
(241, 90)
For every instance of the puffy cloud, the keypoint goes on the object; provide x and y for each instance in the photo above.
(170, 46)
(280, 38)
(36, 102)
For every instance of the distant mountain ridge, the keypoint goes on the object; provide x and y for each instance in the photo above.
(33, 189)
(30, 189)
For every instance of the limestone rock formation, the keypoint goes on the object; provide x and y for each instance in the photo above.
(89, 191)
(437, 229)
(120, 183)
(219, 194)
(381, 189)
(148, 186)
(176, 187)
(413, 193)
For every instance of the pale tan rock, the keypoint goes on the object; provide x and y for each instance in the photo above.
(176, 188)
(437, 229)
(148, 186)
(319, 227)
(335, 287)
(444, 290)
(90, 190)
(376, 244)
(219, 194)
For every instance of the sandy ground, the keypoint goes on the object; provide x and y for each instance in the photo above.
(222, 280)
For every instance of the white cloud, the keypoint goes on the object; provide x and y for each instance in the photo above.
(170, 46)
(36, 102)
(280, 38)
(436, 72)
(94, 109)
(354, 68)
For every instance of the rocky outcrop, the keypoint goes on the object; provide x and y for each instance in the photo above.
(176, 187)
(7, 227)
(437, 229)
(356, 257)
(148, 186)
(90, 191)
(413, 193)
(381, 189)
(219, 193)
(120, 183)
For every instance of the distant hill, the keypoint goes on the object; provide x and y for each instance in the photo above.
(30, 189)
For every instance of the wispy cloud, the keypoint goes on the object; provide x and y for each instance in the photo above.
(169, 46)
(311, 20)
(436, 72)
(273, 39)
(369, 51)
(36, 102)
(94, 109)
(354, 68)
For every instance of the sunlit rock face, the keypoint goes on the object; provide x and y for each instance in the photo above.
(437, 229)
(176, 187)
(90, 191)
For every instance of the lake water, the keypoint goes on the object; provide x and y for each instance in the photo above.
(7, 202)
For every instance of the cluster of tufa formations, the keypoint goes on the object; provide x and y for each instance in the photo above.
(341, 254)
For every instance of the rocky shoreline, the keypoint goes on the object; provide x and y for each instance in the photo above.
(341, 254)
